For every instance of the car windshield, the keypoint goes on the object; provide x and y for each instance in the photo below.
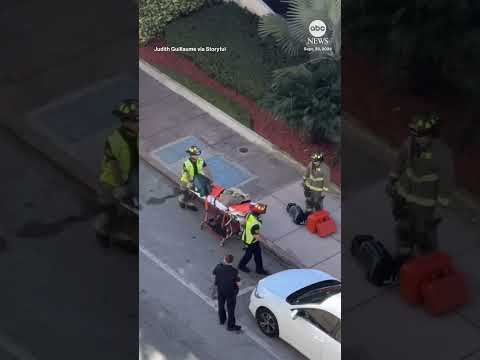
(316, 293)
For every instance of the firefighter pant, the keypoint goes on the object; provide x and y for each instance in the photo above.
(416, 230)
(313, 200)
(107, 203)
(185, 197)
(252, 250)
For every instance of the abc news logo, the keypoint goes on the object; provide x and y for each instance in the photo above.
(317, 29)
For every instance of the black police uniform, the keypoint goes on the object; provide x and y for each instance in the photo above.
(226, 278)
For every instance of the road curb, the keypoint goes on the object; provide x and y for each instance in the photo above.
(287, 259)
(223, 118)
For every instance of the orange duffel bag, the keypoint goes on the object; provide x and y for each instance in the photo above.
(445, 293)
(314, 218)
(414, 273)
(326, 226)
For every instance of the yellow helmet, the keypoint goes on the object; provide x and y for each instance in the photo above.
(424, 124)
(318, 157)
(194, 150)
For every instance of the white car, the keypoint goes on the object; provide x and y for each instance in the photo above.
(302, 307)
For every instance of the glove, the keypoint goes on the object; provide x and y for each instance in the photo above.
(120, 192)
(190, 186)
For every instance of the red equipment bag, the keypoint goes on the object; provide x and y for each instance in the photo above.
(445, 293)
(314, 218)
(419, 270)
(326, 226)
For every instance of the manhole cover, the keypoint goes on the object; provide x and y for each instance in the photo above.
(243, 150)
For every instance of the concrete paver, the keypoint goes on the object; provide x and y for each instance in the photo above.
(310, 248)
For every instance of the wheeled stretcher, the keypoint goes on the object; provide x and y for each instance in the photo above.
(225, 221)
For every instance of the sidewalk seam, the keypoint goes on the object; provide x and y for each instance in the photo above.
(328, 258)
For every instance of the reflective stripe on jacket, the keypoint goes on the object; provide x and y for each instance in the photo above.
(247, 236)
(120, 151)
(315, 179)
(188, 171)
(425, 179)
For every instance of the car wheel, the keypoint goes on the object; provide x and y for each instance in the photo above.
(267, 322)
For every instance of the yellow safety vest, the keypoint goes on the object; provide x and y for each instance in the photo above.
(188, 171)
(247, 236)
(121, 153)
(315, 180)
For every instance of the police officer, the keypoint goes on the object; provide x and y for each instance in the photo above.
(192, 166)
(119, 172)
(228, 283)
(251, 238)
(422, 179)
(314, 183)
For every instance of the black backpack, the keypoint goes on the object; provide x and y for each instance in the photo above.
(296, 213)
(381, 268)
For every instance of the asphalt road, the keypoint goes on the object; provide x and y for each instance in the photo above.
(178, 320)
(62, 296)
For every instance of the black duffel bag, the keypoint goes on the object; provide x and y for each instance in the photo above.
(296, 213)
(380, 266)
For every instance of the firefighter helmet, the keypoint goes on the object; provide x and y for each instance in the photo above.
(259, 208)
(318, 157)
(194, 150)
(127, 110)
(424, 125)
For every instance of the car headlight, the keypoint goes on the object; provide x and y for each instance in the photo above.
(257, 294)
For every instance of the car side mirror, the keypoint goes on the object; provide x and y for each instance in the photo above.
(294, 314)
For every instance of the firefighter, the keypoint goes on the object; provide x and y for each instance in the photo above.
(314, 183)
(251, 238)
(119, 172)
(192, 166)
(421, 180)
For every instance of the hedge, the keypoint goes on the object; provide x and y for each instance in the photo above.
(155, 14)
(248, 62)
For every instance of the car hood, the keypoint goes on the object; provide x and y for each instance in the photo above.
(284, 283)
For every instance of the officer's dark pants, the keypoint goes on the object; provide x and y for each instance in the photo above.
(231, 301)
(253, 250)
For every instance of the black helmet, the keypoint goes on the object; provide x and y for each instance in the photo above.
(424, 125)
(127, 110)
(194, 150)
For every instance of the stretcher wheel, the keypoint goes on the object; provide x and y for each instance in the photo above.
(202, 226)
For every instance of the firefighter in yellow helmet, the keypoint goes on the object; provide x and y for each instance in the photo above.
(119, 171)
(192, 166)
(314, 183)
(421, 180)
(251, 239)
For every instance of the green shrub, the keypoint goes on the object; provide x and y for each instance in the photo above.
(155, 14)
(248, 61)
(307, 97)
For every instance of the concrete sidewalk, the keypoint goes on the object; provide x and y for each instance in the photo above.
(169, 123)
